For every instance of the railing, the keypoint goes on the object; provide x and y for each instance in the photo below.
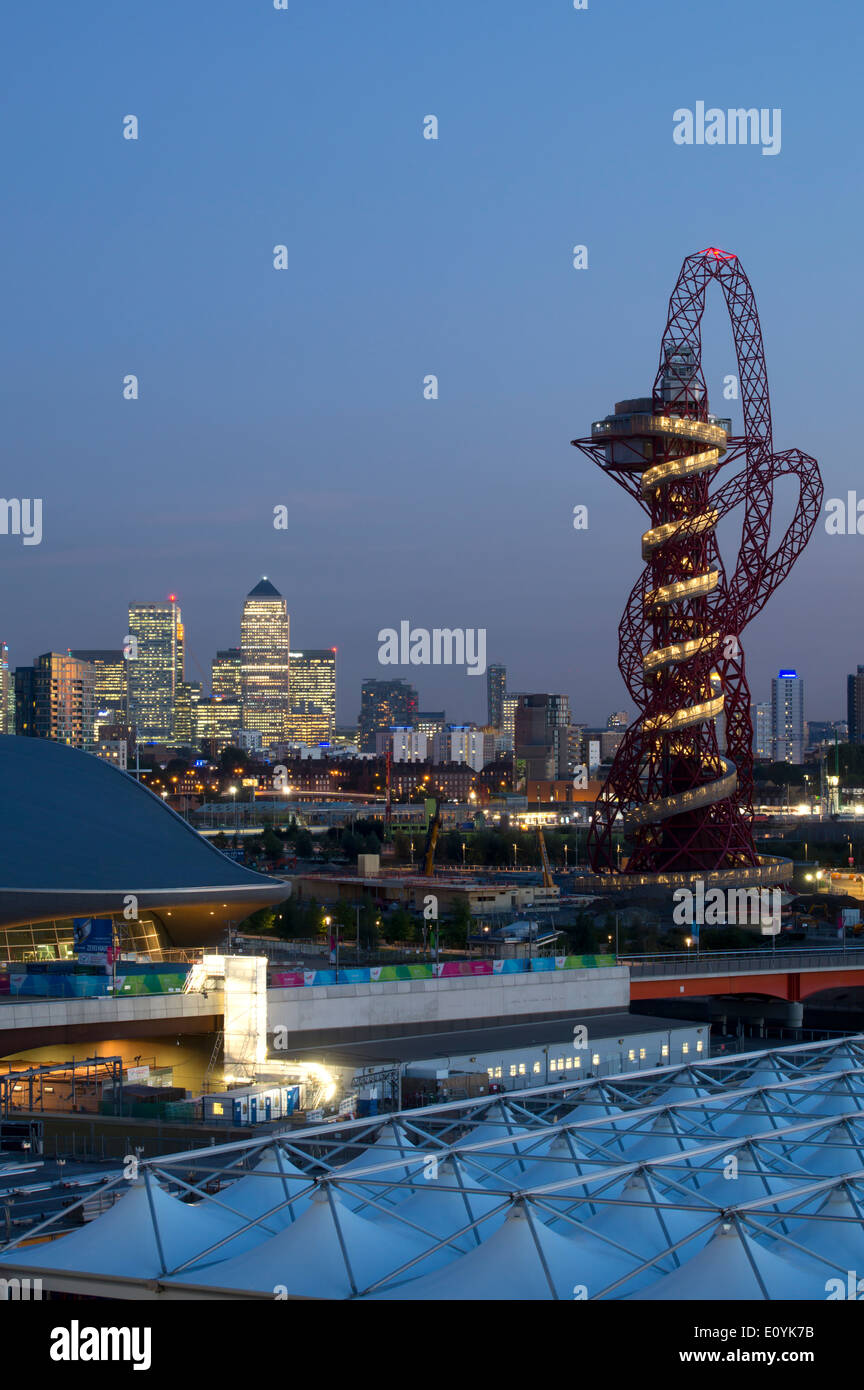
(740, 962)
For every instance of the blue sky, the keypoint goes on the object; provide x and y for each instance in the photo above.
(406, 257)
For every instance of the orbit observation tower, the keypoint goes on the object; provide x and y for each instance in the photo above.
(681, 783)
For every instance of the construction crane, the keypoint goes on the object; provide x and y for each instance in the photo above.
(388, 849)
(548, 881)
(432, 839)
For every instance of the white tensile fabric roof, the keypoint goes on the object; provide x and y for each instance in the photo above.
(736, 1178)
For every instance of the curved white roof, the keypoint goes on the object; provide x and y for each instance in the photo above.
(644, 1197)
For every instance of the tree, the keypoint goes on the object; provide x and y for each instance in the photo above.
(271, 844)
(303, 844)
(369, 933)
(398, 925)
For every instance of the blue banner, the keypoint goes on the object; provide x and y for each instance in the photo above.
(93, 938)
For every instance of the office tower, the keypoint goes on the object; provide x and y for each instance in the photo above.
(787, 717)
(154, 668)
(54, 698)
(855, 706)
(760, 715)
(7, 692)
(264, 640)
(496, 689)
(186, 713)
(542, 737)
(110, 675)
(509, 706)
(619, 720)
(217, 723)
(383, 705)
(226, 674)
(313, 695)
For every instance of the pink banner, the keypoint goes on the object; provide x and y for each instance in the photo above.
(465, 967)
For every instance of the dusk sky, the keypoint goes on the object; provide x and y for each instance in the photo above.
(407, 257)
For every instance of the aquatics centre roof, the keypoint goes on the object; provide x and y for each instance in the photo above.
(79, 835)
(741, 1178)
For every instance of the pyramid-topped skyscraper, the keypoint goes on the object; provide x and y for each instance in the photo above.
(265, 644)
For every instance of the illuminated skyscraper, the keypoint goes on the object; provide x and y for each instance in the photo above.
(760, 715)
(186, 713)
(110, 677)
(787, 717)
(496, 689)
(217, 722)
(542, 724)
(384, 705)
(313, 695)
(264, 641)
(855, 706)
(154, 668)
(227, 674)
(7, 692)
(54, 698)
(509, 706)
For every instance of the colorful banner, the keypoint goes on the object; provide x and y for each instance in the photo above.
(67, 984)
(384, 974)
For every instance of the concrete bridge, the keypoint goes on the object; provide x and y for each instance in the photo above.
(345, 1012)
(787, 974)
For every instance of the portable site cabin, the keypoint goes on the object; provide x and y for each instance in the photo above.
(252, 1105)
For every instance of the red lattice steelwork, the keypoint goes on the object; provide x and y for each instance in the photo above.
(686, 804)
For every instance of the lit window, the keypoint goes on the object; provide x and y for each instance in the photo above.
(699, 1045)
(642, 1054)
(595, 1060)
(513, 1069)
(631, 1055)
(491, 1071)
(218, 1108)
(536, 1068)
(497, 1073)
(521, 1068)
(577, 1061)
(685, 1047)
(664, 1051)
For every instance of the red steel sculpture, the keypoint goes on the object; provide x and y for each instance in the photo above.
(685, 799)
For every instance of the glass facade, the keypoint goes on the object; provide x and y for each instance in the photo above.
(155, 668)
(54, 698)
(265, 663)
(109, 686)
(53, 940)
(313, 695)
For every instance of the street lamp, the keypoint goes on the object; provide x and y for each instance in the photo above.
(327, 924)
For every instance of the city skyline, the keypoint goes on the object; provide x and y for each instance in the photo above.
(258, 388)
